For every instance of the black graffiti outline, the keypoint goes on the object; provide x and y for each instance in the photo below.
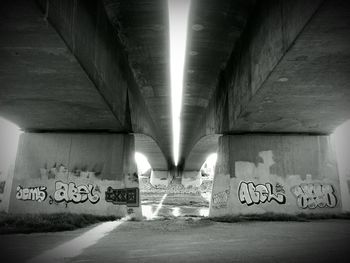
(111, 195)
(73, 201)
(271, 195)
(41, 188)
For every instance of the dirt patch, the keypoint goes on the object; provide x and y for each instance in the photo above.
(166, 224)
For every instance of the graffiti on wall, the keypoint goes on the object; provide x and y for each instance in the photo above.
(250, 193)
(128, 196)
(60, 170)
(70, 192)
(37, 193)
(314, 195)
(219, 200)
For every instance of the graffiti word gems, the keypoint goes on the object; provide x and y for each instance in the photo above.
(37, 193)
(220, 199)
(314, 195)
(70, 192)
(249, 193)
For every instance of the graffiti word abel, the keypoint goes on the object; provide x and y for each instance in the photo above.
(315, 195)
(249, 193)
(37, 193)
(70, 192)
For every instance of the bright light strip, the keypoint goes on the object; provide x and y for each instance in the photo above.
(178, 20)
(75, 247)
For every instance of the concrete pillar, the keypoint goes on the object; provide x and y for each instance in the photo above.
(160, 178)
(270, 173)
(342, 144)
(191, 178)
(78, 173)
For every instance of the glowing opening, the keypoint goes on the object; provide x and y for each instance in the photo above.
(142, 163)
(208, 166)
(207, 171)
(341, 140)
(9, 137)
(178, 20)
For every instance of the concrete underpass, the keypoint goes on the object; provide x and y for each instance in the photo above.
(89, 85)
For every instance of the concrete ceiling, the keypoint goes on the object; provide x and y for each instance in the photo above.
(214, 28)
(43, 87)
(308, 90)
(251, 66)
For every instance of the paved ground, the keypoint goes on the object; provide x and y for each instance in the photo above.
(181, 240)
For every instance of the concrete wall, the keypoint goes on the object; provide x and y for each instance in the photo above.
(191, 179)
(160, 178)
(342, 144)
(77, 173)
(270, 173)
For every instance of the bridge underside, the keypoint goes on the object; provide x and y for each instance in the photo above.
(270, 77)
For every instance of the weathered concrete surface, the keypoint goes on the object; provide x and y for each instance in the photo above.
(282, 174)
(191, 178)
(213, 30)
(160, 178)
(289, 72)
(200, 152)
(149, 147)
(72, 173)
(342, 144)
(188, 241)
(43, 85)
(308, 89)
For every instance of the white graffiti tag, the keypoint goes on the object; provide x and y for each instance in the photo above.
(249, 193)
(69, 192)
(314, 195)
(220, 199)
(37, 193)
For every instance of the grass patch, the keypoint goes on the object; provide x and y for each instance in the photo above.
(31, 223)
(302, 217)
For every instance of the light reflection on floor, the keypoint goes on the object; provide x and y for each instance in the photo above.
(76, 246)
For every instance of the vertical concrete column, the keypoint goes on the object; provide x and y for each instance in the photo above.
(160, 178)
(342, 144)
(272, 173)
(191, 178)
(78, 173)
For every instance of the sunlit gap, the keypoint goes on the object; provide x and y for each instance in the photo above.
(207, 171)
(341, 140)
(9, 137)
(142, 163)
(178, 20)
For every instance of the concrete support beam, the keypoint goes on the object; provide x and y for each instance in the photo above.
(191, 178)
(160, 178)
(77, 173)
(272, 173)
(200, 152)
(342, 144)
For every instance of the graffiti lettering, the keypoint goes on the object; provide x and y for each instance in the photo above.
(249, 193)
(314, 195)
(69, 192)
(38, 193)
(128, 196)
(220, 199)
